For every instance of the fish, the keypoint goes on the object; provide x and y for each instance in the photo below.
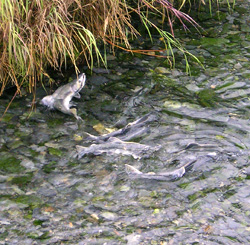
(134, 173)
(116, 146)
(131, 131)
(61, 98)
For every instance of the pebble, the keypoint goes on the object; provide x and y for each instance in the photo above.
(109, 216)
(28, 164)
(237, 66)
(247, 171)
(133, 239)
(162, 70)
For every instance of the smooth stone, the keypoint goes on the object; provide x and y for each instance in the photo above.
(193, 87)
(125, 188)
(237, 66)
(109, 215)
(110, 57)
(162, 70)
(101, 70)
(176, 73)
(98, 80)
(133, 239)
(3, 178)
(172, 104)
(28, 164)
(247, 171)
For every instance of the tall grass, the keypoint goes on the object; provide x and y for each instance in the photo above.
(37, 34)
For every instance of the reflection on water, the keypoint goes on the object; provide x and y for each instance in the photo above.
(50, 196)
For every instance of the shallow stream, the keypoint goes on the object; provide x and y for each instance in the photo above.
(49, 196)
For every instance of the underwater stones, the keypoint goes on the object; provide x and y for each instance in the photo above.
(207, 97)
(237, 66)
(28, 164)
(247, 172)
(39, 149)
(11, 205)
(213, 45)
(10, 164)
(109, 215)
(84, 187)
(3, 178)
(246, 45)
(110, 57)
(55, 152)
(71, 126)
(32, 116)
(193, 87)
(172, 104)
(7, 117)
(98, 80)
(133, 239)
(176, 73)
(95, 202)
(245, 28)
(47, 190)
(230, 85)
(125, 188)
(101, 70)
(162, 70)
(16, 143)
(63, 181)
(40, 136)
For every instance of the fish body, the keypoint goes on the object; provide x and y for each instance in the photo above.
(165, 176)
(61, 98)
(131, 131)
(116, 146)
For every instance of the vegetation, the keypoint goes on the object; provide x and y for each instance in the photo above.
(38, 34)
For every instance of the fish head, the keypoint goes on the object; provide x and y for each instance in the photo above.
(79, 83)
(48, 101)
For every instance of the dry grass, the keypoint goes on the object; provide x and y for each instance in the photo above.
(35, 34)
(38, 34)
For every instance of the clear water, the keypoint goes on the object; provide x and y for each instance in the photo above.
(47, 195)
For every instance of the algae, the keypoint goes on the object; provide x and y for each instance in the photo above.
(55, 152)
(10, 164)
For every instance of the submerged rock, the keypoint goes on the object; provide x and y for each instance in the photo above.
(109, 215)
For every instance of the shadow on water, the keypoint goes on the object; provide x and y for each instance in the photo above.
(48, 195)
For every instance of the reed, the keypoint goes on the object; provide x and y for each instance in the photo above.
(38, 34)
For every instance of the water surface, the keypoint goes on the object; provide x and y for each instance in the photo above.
(49, 196)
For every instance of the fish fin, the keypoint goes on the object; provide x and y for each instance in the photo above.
(189, 165)
(80, 151)
(77, 95)
(74, 112)
(80, 148)
(72, 104)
